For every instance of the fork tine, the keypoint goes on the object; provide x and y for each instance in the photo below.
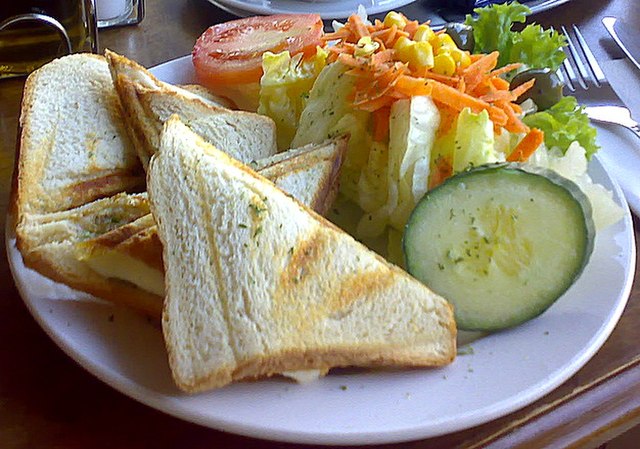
(563, 78)
(565, 74)
(582, 74)
(591, 60)
(569, 75)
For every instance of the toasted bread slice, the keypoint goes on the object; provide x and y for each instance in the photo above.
(133, 252)
(73, 144)
(310, 173)
(48, 245)
(207, 95)
(148, 102)
(257, 284)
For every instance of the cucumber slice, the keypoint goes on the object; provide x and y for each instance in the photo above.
(500, 243)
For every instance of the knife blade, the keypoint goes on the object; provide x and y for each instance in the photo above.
(625, 36)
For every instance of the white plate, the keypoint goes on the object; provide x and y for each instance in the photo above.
(340, 9)
(504, 372)
(327, 9)
(622, 161)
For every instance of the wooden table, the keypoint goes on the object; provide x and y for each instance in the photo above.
(47, 400)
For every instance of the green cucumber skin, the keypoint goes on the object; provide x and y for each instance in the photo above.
(505, 312)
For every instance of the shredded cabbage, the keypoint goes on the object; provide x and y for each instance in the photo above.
(572, 164)
(395, 177)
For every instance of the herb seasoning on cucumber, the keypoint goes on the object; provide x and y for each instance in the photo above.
(500, 243)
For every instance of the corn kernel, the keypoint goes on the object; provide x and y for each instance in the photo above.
(423, 33)
(394, 18)
(442, 42)
(403, 48)
(421, 55)
(366, 47)
(444, 64)
(461, 58)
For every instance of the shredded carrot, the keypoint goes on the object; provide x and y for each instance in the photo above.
(444, 79)
(359, 28)
(376, 103)
(527, 146)
(383, 56)
(447, 119)
(513, 123)
(516, 108)
(349, 61)
(497, 95)
(456, 99)
(481, 89)
(342, 33)
(476, 72)
(443, 170)
(381, 124)
(411, 86)
(499, 83)
(462, 86)
(521, 89)
(382, 45)
(382, 33)
(506, 69)
(498, 115)
(380, 80)
(411, 27)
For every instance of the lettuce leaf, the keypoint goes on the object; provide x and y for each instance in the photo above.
(538, 48)
(284, 87)
(533, 46)
(474, 143)
(492, 28)
(564, 123)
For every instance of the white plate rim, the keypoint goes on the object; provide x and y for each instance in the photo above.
(408, 432)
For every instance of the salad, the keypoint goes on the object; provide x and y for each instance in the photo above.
(424, 107)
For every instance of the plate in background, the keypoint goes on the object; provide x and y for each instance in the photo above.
(339, 9)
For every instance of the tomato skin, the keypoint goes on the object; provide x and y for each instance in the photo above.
(230, 53)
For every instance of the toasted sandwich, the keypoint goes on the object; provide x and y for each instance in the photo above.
(148, 102)
(48, 245)
(73, 146)
(133, 253)
(258, 284)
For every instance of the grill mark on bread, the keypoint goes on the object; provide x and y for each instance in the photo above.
(91, 142)
(355, 287)
(258, 213)
(214, 256)
(139, 239)
(302, 258)
(339, 296)
(152, 254)
(92, 189)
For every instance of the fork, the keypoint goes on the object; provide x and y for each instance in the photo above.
(580, 70)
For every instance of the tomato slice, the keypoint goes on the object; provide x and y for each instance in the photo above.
(231, 52)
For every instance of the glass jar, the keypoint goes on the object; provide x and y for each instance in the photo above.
(33, 32)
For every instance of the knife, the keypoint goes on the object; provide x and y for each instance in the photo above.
(627, 38)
